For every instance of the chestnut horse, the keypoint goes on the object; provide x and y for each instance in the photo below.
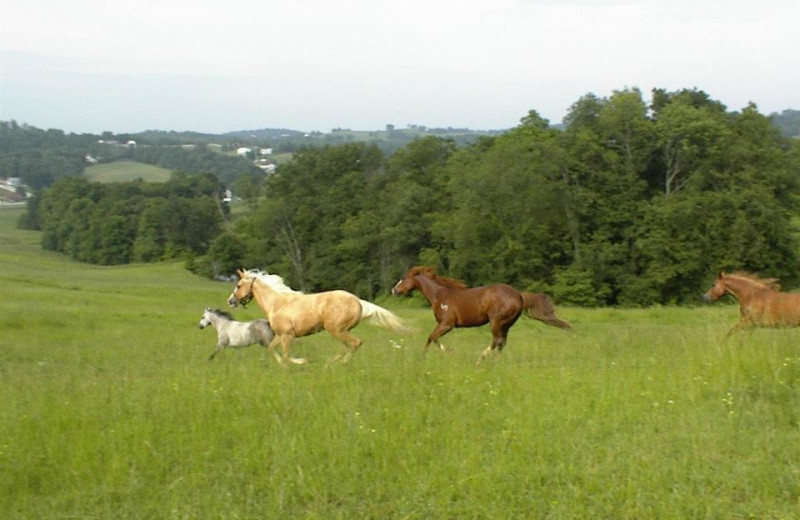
(761, 304)
(293, 314)
(455, 305)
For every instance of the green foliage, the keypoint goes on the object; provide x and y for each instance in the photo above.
(577, 284)
(508, 209)
(311, 202)
(124, 222)
(227, 254)
(629, 205)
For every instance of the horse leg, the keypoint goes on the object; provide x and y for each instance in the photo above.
(441, 329)
(286, 343)
(499, 336)
(220, 347)
(736, 328)
(216, 351)
(351, 343)
(272, 347)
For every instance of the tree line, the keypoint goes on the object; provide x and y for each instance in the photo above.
(128, 222)
(629, 204)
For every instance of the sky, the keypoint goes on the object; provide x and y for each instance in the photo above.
(213, 66)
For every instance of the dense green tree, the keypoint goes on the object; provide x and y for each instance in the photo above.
(227, 254)
(310, 200)
(54, 207)
(507, 223)
(152, 233)
(137, 221)
(608, 147)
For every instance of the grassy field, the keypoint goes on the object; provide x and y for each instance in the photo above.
(121, 171)
(109, 409)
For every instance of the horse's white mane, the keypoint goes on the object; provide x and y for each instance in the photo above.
(273, 281)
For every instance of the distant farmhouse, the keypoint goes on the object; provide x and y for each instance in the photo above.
(12, 191)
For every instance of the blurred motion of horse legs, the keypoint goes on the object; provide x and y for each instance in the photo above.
(351, 343)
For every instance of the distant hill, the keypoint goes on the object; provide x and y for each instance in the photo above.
(287, 141)
(788, 122)
(264, 133)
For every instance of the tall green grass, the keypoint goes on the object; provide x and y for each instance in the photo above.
(109, 409)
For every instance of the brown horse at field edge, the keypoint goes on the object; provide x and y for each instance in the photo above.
(761, 304)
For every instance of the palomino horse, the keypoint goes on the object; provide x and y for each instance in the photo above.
(761, 304)
(539, 306)
(293, 314)
(454, 305)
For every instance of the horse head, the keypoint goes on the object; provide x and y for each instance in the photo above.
(243, 290)
(405, 285)
(205, 321)
(717, 290)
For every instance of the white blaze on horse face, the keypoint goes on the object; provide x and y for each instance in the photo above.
(394, 289)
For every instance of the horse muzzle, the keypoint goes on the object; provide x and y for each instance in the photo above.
(234, 302)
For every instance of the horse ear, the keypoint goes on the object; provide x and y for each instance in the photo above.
(240, 272)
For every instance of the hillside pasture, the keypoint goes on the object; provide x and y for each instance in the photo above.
(124, 171)
(110, 410)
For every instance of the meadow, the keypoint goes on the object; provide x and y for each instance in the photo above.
(123, 171)
(109, 409)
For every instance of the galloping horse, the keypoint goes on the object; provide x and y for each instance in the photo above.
(293, 314)
(232, 333)
(761, 304)
(454, 305)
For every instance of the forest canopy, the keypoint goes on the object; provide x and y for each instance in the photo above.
(629, 204)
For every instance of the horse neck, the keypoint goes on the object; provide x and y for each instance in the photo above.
(430, 288)
(264, 294)
(742, 290)
(216, 320)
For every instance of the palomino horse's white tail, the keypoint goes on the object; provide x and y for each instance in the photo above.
(381, 317)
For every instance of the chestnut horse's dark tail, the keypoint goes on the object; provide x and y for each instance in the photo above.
(539, 306)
